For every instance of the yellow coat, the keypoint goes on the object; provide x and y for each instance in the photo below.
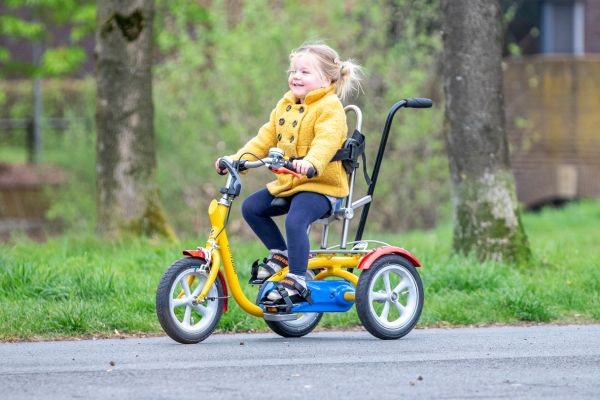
(314, 130)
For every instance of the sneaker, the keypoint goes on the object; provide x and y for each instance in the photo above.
(269, 266)
(294, 285)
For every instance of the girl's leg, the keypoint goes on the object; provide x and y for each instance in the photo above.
(258, 212)
(305, 208)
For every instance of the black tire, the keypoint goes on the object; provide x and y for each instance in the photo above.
(188, 322)
(303, 325)
(389, 311)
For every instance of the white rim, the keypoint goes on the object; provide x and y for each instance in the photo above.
(393, 296)
(188, 316)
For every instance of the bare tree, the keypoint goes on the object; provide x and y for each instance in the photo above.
(127, 195)
(485, 209)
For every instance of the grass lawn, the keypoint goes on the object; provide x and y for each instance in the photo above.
(77, 285)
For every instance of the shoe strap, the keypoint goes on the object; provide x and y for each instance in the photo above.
(278, 259)
(293, 284)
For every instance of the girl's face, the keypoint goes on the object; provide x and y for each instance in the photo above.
(304, 75)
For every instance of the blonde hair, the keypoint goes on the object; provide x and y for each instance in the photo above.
(345, 75)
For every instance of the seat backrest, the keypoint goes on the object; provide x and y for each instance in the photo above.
(344, 208)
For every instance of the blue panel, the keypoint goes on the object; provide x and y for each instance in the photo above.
(328, 296)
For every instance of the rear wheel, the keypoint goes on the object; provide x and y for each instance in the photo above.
(181, 317)
(389, 297)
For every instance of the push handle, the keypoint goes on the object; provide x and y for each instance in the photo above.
(419, 102)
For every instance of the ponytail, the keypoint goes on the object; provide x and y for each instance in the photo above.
(349, 80)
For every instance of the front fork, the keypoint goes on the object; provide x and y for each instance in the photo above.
(219, 253)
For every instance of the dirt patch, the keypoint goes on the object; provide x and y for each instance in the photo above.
(24, 199)
(19, 175)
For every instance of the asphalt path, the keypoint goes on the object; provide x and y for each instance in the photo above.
(535, 362)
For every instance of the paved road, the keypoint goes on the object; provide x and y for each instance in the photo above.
(499, 362)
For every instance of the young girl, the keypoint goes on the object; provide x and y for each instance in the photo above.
(309, 125)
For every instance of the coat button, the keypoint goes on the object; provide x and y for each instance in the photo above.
(294, 123)
(281, 121)
(292, 139)
(288, 108)
(301, 109)
(279, 137)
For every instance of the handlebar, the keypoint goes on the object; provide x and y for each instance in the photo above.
(275, 163)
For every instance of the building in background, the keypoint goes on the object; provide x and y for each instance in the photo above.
(552, 98)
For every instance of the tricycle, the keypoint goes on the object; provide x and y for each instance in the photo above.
(379, 278)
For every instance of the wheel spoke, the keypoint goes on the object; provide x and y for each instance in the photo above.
(179, 302)
(402, 285)
(379, 296)
(385, 312)
(184, 284)
(386, 282)
(399, 307)
(197, 290)
(201, 309)
(187, 316)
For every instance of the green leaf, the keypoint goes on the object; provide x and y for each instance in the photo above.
(61, 60)
(16, 27)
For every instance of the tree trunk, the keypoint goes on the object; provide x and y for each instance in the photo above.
(127, 195)
(485, 209)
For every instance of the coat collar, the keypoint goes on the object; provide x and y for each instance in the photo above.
(312, 96)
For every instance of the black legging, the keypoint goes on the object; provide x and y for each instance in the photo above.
(305, 208)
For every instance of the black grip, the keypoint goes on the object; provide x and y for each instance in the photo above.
(419, 102)
(309, 174)
(222, 167)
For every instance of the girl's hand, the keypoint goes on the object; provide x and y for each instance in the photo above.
(219, 170)
(302, 166)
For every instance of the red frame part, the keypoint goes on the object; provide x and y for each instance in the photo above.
(366, 261)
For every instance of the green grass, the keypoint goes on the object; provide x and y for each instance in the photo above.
(13, 154)
(78, 285)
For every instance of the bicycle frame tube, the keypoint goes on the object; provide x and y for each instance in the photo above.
(218, 244)
(330, 265)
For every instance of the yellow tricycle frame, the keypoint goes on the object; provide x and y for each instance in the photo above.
(218, 251)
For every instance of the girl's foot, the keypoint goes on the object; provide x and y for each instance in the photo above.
(292, 287)
(261, 272)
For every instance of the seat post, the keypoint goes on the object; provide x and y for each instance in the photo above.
(324, 236)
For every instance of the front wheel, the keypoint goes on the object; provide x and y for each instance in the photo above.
(181, 317)
(389, 297)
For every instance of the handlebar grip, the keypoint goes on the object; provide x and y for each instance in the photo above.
(309, 174)
(419, 103)
(222, 166)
